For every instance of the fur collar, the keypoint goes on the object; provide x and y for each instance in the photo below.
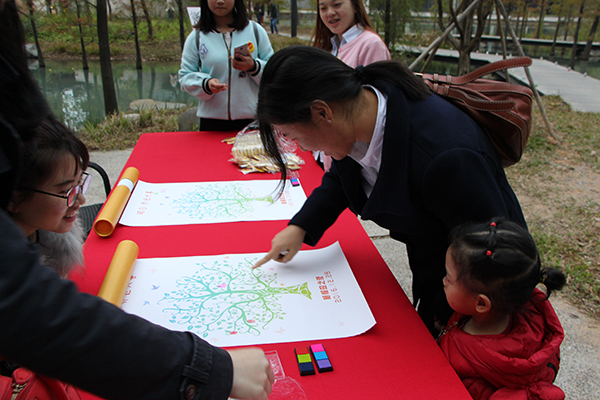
(62, 251)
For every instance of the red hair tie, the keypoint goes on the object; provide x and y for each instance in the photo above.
(493, 224)
(488, 253)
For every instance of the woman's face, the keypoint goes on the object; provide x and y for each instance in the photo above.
(337, 15)
(221, 8)
(324, 137)
(50, 213)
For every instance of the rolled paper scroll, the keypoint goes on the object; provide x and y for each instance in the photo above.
(108, 218)
(119, 273)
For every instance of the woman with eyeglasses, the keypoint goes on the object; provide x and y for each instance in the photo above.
(50, 191)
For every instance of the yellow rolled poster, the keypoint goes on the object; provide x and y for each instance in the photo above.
(108, 218)
(119, 272)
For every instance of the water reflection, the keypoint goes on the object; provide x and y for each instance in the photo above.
(75, 95)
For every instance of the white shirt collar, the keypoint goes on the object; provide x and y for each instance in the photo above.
(347, 37)
(368, 155)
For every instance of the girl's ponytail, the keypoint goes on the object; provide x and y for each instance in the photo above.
(553, 279)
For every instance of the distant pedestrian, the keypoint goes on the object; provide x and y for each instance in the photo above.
(260, 13)
(273, 15)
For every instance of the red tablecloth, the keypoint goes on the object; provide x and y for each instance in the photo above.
(396, 359)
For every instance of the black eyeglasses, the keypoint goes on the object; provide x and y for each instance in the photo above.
(73, 192)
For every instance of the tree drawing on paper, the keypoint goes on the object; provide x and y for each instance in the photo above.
(223, 297)
(218, 201)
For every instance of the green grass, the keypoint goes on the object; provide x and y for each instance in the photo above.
(562, 208)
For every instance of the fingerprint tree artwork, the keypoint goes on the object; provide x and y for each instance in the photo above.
(218, 201)
(235, 299)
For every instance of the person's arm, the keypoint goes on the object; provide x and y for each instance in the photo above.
(322, 208)
(191, 79)
(265, 51)
(51, 328)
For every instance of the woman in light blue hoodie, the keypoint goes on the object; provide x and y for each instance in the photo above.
(225, 80)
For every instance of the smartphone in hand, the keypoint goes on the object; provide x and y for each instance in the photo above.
(243, 50)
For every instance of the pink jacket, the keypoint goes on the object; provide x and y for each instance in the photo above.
(519, 364)
(365, 49)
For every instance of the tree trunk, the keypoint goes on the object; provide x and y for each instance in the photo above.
(138, 53)
(588, 45)
(294, 18)
(181, 30)
(387, 27)
(148, 19)
(568, 23)
(524, 23)
(83, 53)
(540, 26)
(576, 36)
(553, 48)
(108, 84)
(41, 61)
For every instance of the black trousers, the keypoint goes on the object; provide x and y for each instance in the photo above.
(209, 124)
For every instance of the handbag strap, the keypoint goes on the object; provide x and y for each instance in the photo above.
(479, 72)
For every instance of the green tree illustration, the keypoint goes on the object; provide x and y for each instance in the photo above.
(235, 299)
(216, 200)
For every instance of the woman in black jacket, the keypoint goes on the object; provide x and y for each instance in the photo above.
(403, 157)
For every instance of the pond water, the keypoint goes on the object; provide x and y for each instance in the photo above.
(76, 95)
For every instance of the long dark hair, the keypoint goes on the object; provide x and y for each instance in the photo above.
(296, 76)
(499, 258)
(206, 23)
(321, 37)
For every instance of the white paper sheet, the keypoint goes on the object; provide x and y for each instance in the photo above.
(223, 300)
(155, 204)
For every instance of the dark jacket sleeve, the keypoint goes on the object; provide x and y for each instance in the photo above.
(51, 328)
(321, 209)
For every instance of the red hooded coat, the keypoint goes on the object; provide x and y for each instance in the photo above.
(518, 364)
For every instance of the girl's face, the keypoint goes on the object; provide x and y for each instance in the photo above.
(337, 15)
(50, 213)
(459, 298)
(221, 8)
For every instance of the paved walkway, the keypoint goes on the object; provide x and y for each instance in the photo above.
(580, 91)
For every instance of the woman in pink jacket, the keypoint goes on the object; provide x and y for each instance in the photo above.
(343, 28)
(504, 338)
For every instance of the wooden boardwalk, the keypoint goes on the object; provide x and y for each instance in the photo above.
(581, 92)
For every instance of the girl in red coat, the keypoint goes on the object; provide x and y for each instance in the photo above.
(504, 337)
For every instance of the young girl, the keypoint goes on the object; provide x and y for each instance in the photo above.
(50, 191)
(504, 338)
(343, 28)
(225, 81)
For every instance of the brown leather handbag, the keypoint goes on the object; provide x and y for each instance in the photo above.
(501, 109)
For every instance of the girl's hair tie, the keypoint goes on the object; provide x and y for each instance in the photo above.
(488, 253)
(360, 72)
(493, 224)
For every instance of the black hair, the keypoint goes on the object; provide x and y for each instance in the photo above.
(52, 142)
(499, 258)
(296, 76)
(22, 105)
(206, 23)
